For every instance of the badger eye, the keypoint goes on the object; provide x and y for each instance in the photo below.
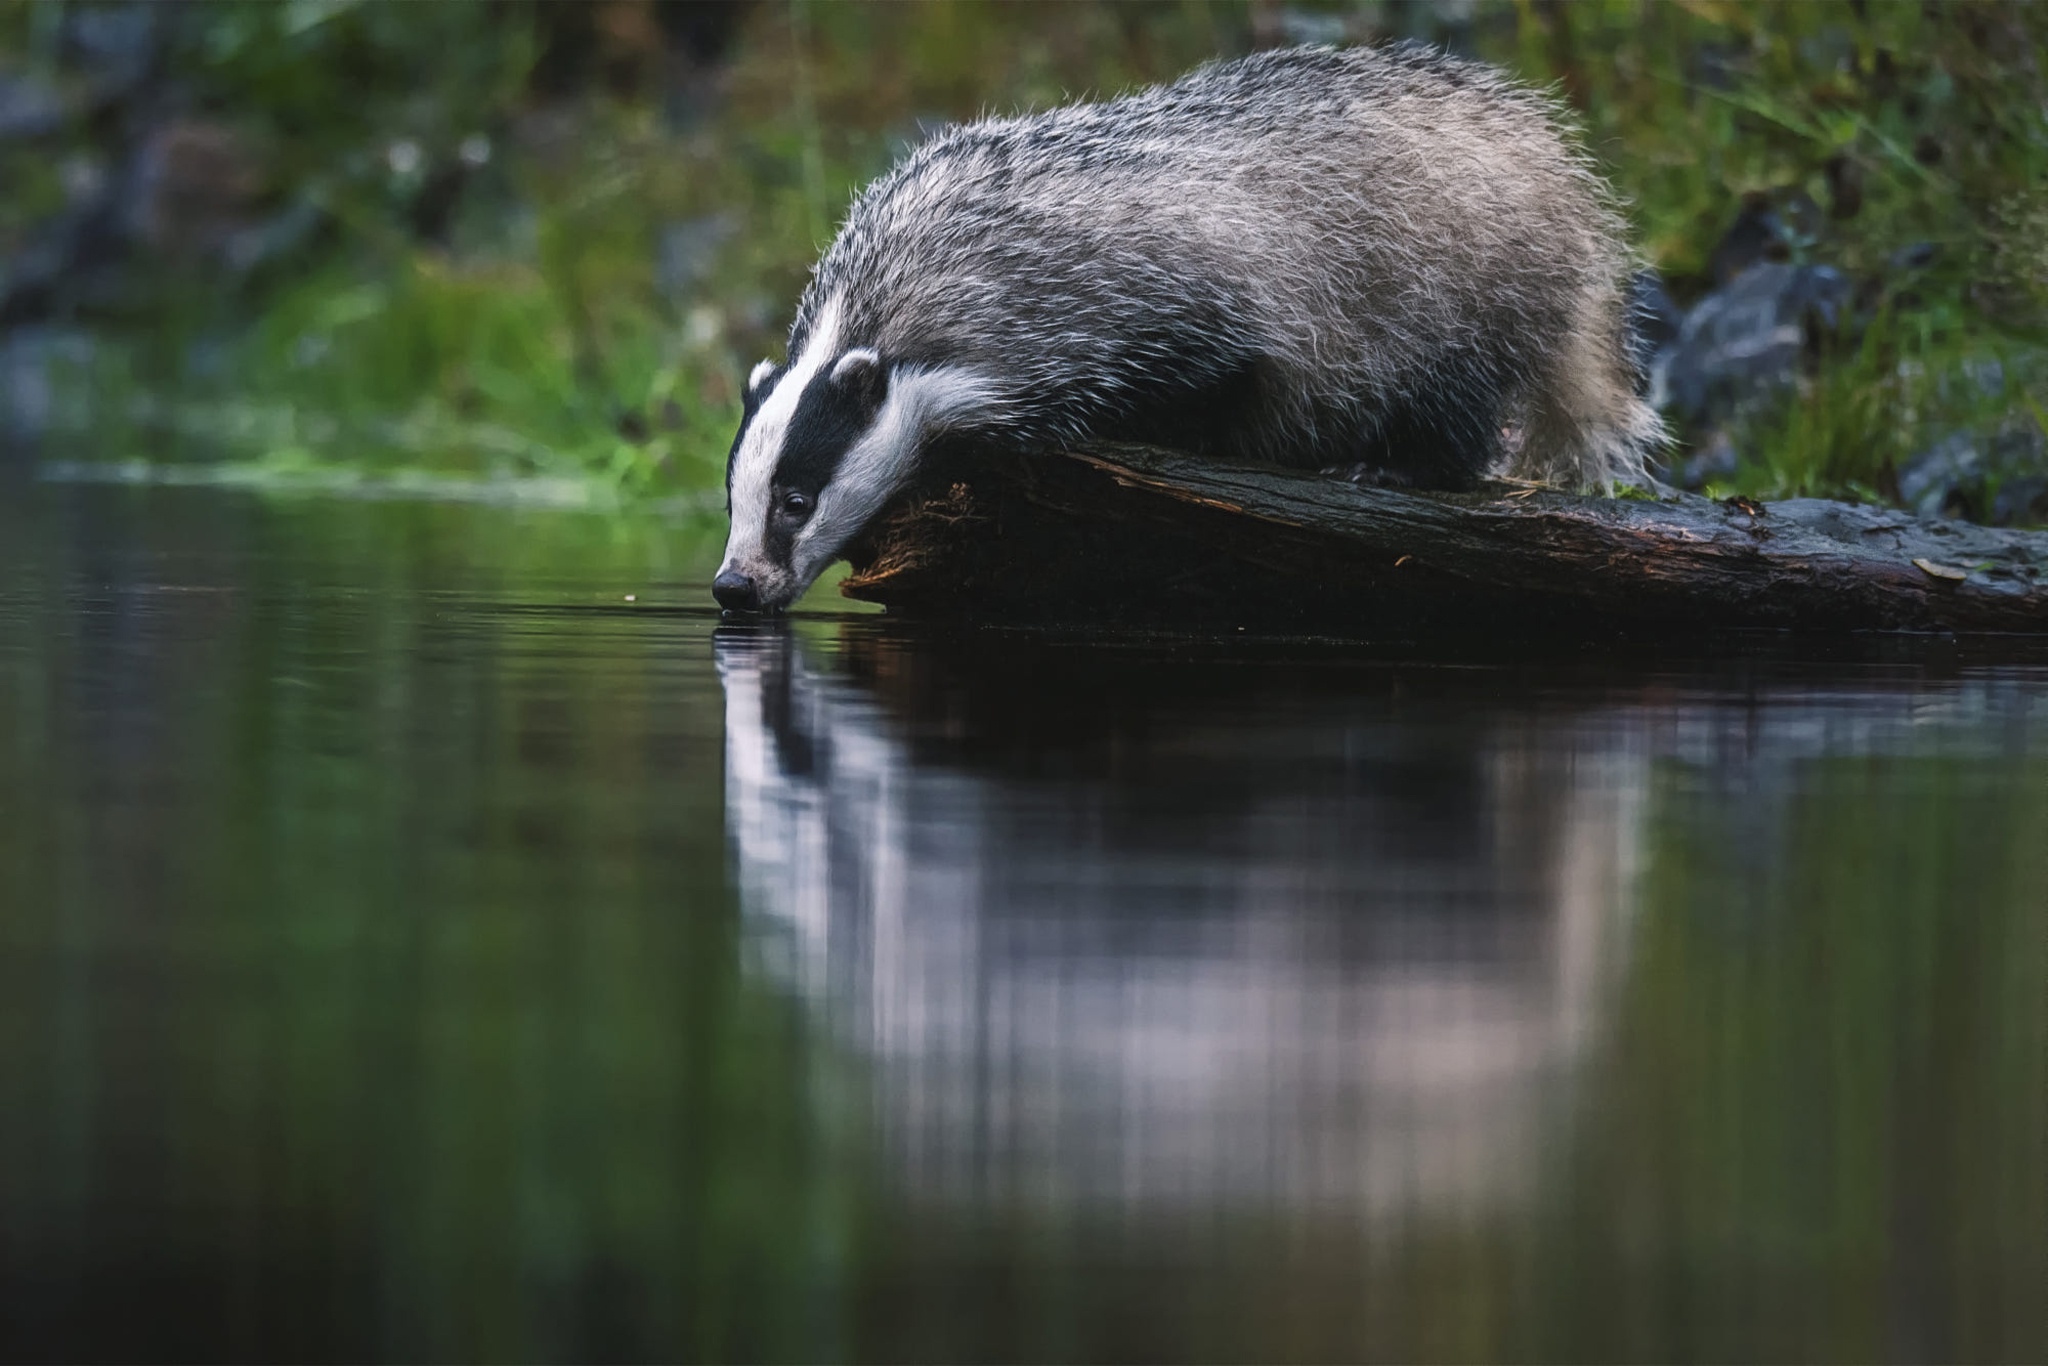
(796, 504)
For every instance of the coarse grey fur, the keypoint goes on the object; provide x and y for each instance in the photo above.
(1310, 256)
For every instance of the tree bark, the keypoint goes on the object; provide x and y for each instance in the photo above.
(1132, 535)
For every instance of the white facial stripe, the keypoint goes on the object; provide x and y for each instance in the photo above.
(920, 403)
(754, 470)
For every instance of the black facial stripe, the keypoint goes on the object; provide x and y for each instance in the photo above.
(825, 425)
(732, 456)
(830, 416)
(778, 540)
(751, 399)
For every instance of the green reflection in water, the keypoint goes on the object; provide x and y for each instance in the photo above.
(1821, 1128)
(371, 982)
(371, 985)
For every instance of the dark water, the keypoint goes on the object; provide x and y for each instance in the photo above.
(409, 948)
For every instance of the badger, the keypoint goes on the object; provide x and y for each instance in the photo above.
(1391, 259)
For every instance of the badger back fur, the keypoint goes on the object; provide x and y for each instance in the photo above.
(1308, 256)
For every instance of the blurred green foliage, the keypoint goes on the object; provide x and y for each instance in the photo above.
(1882, 133)
(549, 239)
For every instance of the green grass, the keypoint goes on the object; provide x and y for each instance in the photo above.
(1874, 128)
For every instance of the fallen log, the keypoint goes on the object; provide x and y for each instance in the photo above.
(1133, 535)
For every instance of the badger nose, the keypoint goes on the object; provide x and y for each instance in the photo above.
(736, 592)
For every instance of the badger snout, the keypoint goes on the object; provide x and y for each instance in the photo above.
(736, 591)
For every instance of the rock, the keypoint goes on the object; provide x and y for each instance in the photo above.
(1757, 235)
(1714, 461)
(2000, 477)
(2019, 483)
(1774, 225)
(31, 361)
(1930, 481)
(117, 45)
(65, 258)
(29, 109)
(2021, 502)
(1746, 342)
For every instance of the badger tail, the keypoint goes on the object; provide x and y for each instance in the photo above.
(1585, 426)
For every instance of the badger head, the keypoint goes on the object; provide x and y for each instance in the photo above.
(827, 438)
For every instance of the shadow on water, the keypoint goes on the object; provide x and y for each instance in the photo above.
(411, 950)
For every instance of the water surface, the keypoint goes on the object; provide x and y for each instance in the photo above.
(410, 947)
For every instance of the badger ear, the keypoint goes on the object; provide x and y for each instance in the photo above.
(760, 376)
(860, 375)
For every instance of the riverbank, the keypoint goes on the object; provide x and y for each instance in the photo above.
(507, 242)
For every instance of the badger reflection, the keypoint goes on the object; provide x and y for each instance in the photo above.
(1154, 933)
